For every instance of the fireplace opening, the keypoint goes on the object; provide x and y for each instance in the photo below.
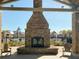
(37, 42)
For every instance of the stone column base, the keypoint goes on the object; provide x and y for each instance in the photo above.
(74, 56)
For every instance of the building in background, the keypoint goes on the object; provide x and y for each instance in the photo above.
(6, 34)
(12, 35)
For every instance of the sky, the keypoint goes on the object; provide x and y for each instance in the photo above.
(11, 20)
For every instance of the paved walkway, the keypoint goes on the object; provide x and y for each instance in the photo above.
(14, 56)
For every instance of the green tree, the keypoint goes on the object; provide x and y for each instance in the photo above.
(63, 32)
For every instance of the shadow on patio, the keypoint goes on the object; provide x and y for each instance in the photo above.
(29, 56)
(21, 57)
(69, 57)
(14, 55)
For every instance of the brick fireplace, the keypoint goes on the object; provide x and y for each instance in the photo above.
(37, 32)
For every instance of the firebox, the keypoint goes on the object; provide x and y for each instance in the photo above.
(37, 42)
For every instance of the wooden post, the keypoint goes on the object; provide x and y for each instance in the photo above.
(0, 28)
(75, 34)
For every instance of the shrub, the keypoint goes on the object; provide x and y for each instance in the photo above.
(57, 43)
(16, 43)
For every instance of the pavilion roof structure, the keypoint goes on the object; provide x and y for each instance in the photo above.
(6, 1)
(70, 3)
(66, 2)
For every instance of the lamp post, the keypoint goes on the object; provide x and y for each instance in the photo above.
(7, 36)
(6, 44)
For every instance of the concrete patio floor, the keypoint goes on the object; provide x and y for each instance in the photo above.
(58, 56)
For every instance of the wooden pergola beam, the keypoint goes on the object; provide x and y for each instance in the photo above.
(58, 9)
(16, 8)
(36, 9)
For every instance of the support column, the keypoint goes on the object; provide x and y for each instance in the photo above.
(75, 34)
(0, 28)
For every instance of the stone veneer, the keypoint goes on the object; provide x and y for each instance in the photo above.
(37, 26)
(49, 51)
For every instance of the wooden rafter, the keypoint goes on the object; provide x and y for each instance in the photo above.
(38, 9)
(63, 2)
(71, 3)
(7, 1)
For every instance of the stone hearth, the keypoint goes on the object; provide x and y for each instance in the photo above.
(49, 51)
